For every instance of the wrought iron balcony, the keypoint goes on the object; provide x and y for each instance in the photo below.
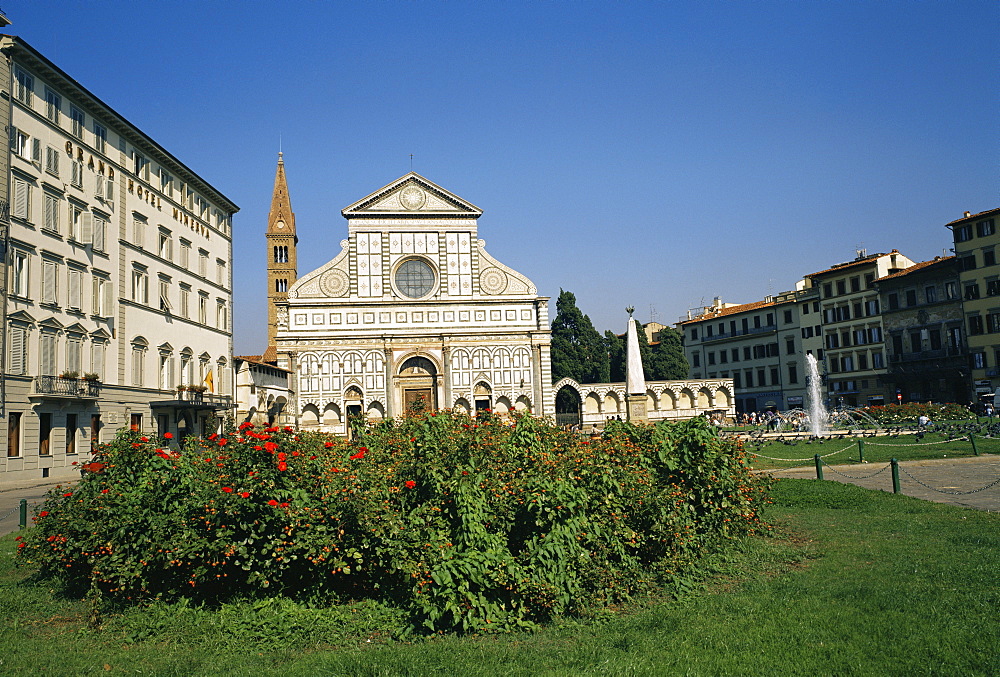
(70, 388)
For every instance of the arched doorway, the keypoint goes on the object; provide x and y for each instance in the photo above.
(483, 396)
(567, 406)
(416, 383)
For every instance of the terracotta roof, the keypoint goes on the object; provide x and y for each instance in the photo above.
(256, 359)
(270, 355)
(843, 266)
(247, 358)
(973, 216)
(918, 267)
(723, 312)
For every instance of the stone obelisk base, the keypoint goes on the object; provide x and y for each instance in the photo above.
(635, 407)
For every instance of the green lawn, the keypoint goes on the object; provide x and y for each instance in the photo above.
(855, 582)
(776, 453)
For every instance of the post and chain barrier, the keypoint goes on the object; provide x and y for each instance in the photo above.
(895, 467)
(862, 477)
(953, 493)
(799, 460)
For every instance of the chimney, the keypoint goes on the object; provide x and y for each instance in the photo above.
(968, 214)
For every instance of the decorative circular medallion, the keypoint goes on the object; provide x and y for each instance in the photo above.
(412, 197)
(279, 224)
(334, 283)
(414, 278)
(493, 281)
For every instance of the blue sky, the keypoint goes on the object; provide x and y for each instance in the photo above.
(646, 154)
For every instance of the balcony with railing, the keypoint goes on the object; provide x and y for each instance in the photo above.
(58, 387)
(903, 358)
(195, 399)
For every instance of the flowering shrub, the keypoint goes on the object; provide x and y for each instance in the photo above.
(468, 524)
(908, 413)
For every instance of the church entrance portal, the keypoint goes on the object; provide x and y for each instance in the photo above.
(417, 384)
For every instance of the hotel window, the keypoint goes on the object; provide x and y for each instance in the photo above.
(19, 273)
(165, 294)
(50, 221)
(185, 252)
(53, 102)
(75, 223)
(100, 232)
(50, 275)
(100, 137)
(166, 183)
(97, 349)
(79, 121)
(74, 298)
(102, 298)
(202, 308)
(985, 228)
(221, 315)
(140, 286)
(166, 245)
(52, 161)
(140, 166)
(74, 348)
(202, 262)
(24, 87)
(167, 380)
(963, 233)
(76, 177)
(138, 363)
(185, 303)
(220, 271)
(138, 232)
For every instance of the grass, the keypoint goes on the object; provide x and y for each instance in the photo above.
(854, 582)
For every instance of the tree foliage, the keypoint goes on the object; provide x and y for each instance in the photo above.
(577, 349)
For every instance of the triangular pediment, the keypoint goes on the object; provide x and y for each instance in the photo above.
(20, 316)
(411, 196)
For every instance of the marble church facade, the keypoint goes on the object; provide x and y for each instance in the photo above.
(411, 314)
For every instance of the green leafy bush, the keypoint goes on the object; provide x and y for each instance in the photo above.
(466, 524)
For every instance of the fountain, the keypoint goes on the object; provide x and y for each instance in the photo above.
(818, 415)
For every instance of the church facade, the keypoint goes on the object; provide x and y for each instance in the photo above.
(412, 314)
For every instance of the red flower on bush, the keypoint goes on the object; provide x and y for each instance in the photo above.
(270, 446)
(359, 455)
(272, 503)
(69, 494)
(228, 490)
(328, 445)
(410, 484)
(144, 439)
(282, 456)
(168, 436)
(245, 425)
(284, 505)
(104, 491)
(244, 494)
(43, 513)
(282, 466)
(222, 442)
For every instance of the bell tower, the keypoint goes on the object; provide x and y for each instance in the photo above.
(281, 257)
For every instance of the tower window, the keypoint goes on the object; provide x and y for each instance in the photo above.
(281, 286)
(281, 254)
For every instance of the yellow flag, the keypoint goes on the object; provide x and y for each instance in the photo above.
(209, 381)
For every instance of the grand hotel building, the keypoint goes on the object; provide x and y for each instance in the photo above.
(117, 289)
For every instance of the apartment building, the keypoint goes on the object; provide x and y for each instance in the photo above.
(117, 295)
(759, 345)
(924, 332)
(976, 239)
(853, 334)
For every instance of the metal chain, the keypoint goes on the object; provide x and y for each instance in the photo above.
(953, 493)
(915, 444)
(10, 512)
(795, 460)
(863, 477)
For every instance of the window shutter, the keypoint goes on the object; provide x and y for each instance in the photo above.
(51, 212)
(36, 152)
(109, 190)
(107, 300)
(99, 186)
(20, 198)
(48, 357)
(100, 230)
(97, 359)
(48, 282)
(87, 224)
(74, 288)
(17, 352)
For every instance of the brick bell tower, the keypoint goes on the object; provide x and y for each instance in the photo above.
(281, 257)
